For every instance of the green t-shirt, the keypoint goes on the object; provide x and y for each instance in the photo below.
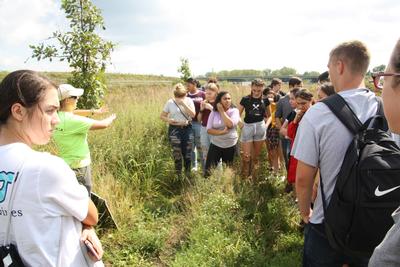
(70, 137)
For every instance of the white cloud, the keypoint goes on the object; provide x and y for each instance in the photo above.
(223, 34)
(22, 21)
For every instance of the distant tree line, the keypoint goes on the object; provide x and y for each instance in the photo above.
(282, 72)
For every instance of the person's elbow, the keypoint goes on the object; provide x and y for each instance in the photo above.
(230, 125)
(192, 113)
(92, 217)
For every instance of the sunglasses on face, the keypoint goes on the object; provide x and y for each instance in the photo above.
(378, 78)
(74, 97)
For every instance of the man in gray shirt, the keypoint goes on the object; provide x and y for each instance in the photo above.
(321, 143)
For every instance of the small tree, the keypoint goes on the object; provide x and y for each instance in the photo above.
(84, 50)
(379, 68)
(184, 69)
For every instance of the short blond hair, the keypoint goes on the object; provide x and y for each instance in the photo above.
(355, 54)
(179, 90)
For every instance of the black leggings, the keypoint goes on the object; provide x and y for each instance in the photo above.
(215, 153)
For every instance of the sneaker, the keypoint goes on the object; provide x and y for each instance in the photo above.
(194, 169)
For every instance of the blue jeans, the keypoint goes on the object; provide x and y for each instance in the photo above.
(196, 127)
(318, 252)
(286, 150)
(205, 142)
(181, 139)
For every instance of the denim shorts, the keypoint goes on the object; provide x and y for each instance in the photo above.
(251, 132)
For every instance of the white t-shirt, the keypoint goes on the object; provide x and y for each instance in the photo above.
(48, 207)
(173, 111)
(322, 140)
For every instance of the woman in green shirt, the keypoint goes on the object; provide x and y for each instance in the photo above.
(71, 133)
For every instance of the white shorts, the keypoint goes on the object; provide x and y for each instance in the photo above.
(255, 131)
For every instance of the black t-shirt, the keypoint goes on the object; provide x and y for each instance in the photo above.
(291, 116)
(254, 108)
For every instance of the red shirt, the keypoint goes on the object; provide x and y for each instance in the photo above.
(291, 132)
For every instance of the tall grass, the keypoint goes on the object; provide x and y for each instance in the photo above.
(166, 220)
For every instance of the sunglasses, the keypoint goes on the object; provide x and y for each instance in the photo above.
(74, 97)
(378, 78)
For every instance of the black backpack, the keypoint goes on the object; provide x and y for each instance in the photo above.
(367, 189)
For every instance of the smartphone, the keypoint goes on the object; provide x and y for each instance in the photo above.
(91, 249)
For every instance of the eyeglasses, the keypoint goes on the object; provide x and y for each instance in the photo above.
(378, 78)
(74, 97)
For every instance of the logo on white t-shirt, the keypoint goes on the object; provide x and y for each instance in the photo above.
(6, 178)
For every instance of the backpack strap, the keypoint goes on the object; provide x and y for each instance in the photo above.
(343, 112)
(380, 107)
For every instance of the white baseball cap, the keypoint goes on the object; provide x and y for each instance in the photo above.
(66, 90)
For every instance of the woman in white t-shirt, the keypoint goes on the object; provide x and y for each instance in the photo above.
(48, 214)
(178, 112)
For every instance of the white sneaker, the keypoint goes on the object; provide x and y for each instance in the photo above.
(194, 169)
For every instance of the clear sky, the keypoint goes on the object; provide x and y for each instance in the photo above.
(152, 35)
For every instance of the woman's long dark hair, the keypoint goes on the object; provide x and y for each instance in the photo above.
(26, 87)
(305, 94)
(219, 98)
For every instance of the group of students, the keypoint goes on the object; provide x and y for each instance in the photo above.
(203, 120)
(48, 217)
(312, 139)
(206, 121)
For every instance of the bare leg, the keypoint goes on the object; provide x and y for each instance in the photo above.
(246, 157)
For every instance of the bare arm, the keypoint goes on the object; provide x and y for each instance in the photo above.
(164, 117)
(90, 112)
(202, 108)
(92, 217)
(227, 121)
(189, 110)
(102, 124)
(305, 175)
(268, 122)
(283, 129)
(278, 123)
(267, 114)
(217, 132)
(241, 108)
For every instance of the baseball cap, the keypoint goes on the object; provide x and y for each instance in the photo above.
(66, 90)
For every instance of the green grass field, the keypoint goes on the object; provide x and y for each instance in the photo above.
(169, 221)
